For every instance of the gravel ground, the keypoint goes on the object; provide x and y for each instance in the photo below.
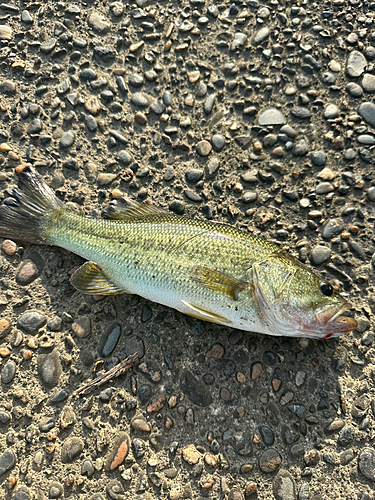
(257, 114)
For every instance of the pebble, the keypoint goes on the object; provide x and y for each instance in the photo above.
(216, 352)
(27, 273)
(324, 188)
(354, 89)
(141, 100)
(8, 372)
(195, 390)
(6, 32)
(249, 196)
(320, 254)
(367, 111)
(7, 87)
(270, 460)
(82, 327)
(212, 166)
(356, 64)
(120, 450)
(31, 321)
(98, 22)
(191, 455)
(235, 494)
(283, 486)
(140, 424)
(331, 111)
(370, 195)
(209, 103)
(71, 449)
(9, 247)
(111, 340)
(301, 112)
(7, 461)
(368, 82)
(366, 463)
(35, 126)
(239, 41)
(204, 148)
(318, 158)
(194, 175)
(125, 157)
(48, 46)
(260, 36)
(56, 490)
(271, 116)
(26, 17)
(67, 139)
(331, 228)
(49, 368)
(218, 142)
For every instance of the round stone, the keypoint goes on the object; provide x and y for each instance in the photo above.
(204, 148)
(6, 32)
(209, 103)
(111, 340)
(320, 254)
(354, 89)
(27, 273)
(8, 372)
(71, 449)
(249, 196)
(7, 87)
(260, 36)
(82, 327)
(368, 82)
(270, 460)
(366, 463)
(371, 193)
(67, 139)
(5, 327)
(356, 64)
(283, 486)
(331, 111)
(55, 490)
(318, 158)
(301, 112)
(7, 461)
(239, 41)
(49, 368)
(9, 247)
(31, 322)
(331, 228)
(271, 116)
(218, 142)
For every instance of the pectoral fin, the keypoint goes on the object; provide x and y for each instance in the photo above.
(90, 279)
(218, 282)
(200, 313)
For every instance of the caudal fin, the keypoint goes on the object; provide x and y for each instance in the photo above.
(25, 214)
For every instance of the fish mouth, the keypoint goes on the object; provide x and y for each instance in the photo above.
(333, 318)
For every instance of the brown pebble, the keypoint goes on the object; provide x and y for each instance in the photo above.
(4, 352)
(168, 423)
(27, 354)
(5, 147)
(139, 424)
(191, 455)
(140, 118)
(136, 46)
(5, 328)
(120, 450)
(246, 468)
(336, 425)
(27, 273)
(241, 377)
(204, 148)
(240, 411)
(251, 489)
(207, 485)
(117, 193)
(256, 371)
(82, 327)
(104, 179)
(9, 247)
(225, 394)
(156, 404)
(194, 76)
(276, 384)
(216, 352)
(210, 460)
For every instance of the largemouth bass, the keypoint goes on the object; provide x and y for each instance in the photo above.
(208, 270)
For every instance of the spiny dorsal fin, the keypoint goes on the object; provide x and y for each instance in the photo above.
(90, 279)
(218, 282)
(200, 313)
(125, 209)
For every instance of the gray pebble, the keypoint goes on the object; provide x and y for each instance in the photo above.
(48, 46)
(91, 123)
(354, 89)
(135, 344)
(139, 447)
(271, 116)
(249, 196)
(49, 368)
(26, 17)
(169, 174)
(350, 154)
(204, 148)
(304, 492)
(366, 463)
(239, 41)
(7, 87)
(324, 188)
(356, 64)
(367, 139)
(55, 490)
(157, 107)
(139, 99)
(87, 468)
(111, 340)
(298, 410)
(320, 254)
(8, 372)
(283, 486)
(22, 493)
(319, 158)
(177, 206)
(30, 322)
(270, 460)
(4, 417)
(167, 98)
(331, 111)
(300, 148)
(368, 82)
(218, 142)
(35, 126)
(88, 74)
(371, 193)
(7, 461)
(146, 313)
(331, 228)
(201, 89)
(209, 103)
(136, 80)
(367, 111)
(346, 436)
(301, 112)
(71, 449)
(194, 175)
(124, 157)
(67, 139)
(261, 35)
(211, 166)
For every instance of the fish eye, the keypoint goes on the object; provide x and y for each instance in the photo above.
(326, 289)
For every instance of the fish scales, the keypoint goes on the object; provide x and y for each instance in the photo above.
(208, 270)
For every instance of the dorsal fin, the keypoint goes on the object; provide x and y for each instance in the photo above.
(125, 209)
(90, 279)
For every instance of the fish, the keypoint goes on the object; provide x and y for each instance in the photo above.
(212, 271)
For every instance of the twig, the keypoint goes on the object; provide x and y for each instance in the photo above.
(114, 372)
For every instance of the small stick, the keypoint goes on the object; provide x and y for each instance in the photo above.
(114, 372)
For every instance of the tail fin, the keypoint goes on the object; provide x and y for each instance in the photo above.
(25, 214)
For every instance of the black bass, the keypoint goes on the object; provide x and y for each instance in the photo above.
(208, 270)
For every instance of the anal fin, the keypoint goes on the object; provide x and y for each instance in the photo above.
(200, 313)
(90, 279)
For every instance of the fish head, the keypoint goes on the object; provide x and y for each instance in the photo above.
(295, 301)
